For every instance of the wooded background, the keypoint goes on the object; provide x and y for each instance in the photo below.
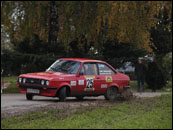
(36, 33)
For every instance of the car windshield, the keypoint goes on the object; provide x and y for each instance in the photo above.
(64, 66)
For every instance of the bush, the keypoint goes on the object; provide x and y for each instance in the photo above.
(15, 63)
(131, 74)
(155, 76)
(167, 65)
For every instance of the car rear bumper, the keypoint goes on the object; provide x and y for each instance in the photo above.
(125, 87)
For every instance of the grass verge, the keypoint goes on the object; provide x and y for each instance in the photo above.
(147, 113)
(12, 88)
(166, 88)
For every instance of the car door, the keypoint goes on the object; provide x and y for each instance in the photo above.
(106, 76)
(88, 80)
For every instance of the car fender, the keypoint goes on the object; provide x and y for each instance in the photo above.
(115, 85)
(64, 84)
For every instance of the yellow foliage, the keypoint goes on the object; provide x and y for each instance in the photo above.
(126, 21)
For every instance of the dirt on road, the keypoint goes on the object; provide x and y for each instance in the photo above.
(16, 104)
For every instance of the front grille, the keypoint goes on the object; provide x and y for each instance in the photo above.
(33, 81)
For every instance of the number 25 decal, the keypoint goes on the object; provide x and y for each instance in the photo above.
(89, 83)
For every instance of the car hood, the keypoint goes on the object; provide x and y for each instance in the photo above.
(46, 75)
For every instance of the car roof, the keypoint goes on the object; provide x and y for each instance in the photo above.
(82, 60)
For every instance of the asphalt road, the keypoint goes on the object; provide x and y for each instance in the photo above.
(16, 104)
(12, 100)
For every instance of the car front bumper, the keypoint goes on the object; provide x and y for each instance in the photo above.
(44, 90)
(36, 87)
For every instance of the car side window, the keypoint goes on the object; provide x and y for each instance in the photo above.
(89, 69)
(105, 70)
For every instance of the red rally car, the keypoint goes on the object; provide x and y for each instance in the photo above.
(74, 77)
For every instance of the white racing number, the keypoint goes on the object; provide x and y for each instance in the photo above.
(89, 83)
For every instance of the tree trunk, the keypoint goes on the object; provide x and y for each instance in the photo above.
(53, 23)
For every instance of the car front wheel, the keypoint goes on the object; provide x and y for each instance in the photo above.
(111, 93)
(62, 94)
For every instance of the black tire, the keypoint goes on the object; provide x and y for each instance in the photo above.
(29, 96)
(111, 93)
(62, 94)
(80, 98)
(106, 97)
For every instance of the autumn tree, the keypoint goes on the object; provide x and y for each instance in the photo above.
(93, 21)
(161, 35)
(25, 18)
(99, 21)
(53, 23)
(81, 28)
(161, 45)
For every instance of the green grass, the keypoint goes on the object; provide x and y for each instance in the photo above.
(153, 113)
(12, 88)
(167, 88)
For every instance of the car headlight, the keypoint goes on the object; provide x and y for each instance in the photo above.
(47, 82)
(20, 80)
(42, 82)
(24, 80)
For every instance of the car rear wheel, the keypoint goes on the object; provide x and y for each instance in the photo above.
(111, 93)
(106, 97)
(62, 94)
(29, 96)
